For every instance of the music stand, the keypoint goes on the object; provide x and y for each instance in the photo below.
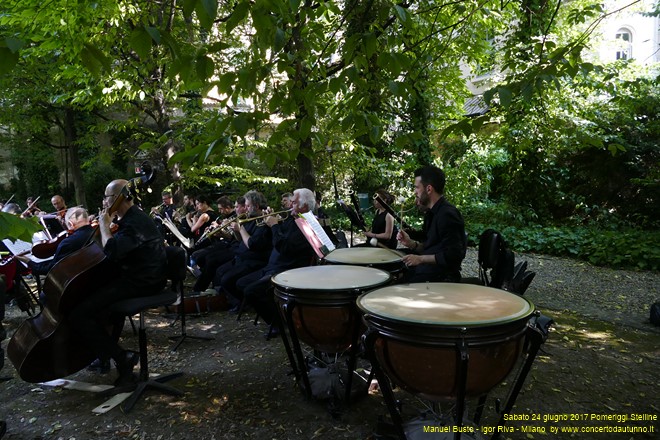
(353, 216)
(52, 225)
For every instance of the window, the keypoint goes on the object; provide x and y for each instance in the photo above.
(623, 44)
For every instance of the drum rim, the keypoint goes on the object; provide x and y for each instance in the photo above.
(392, 252)
(524, 314)
(326, 289)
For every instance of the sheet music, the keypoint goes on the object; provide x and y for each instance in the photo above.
(187, 242)
(19, 246)
(318, 230)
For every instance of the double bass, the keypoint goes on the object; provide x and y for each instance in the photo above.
(45, 348)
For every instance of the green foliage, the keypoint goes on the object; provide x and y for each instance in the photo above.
(14, 227)
(619, 248)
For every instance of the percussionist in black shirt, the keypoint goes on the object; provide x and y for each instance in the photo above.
(438, 258)
(137, 250)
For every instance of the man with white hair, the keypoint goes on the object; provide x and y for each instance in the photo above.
(290, 250)
(77, 220)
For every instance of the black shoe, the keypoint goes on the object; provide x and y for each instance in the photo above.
(273, 332)
(99, 366)
(126, 362)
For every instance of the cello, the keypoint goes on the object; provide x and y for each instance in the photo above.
(45, 348)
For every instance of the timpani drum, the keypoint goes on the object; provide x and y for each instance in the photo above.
(386, 259)
(319, 302)
(422, 331)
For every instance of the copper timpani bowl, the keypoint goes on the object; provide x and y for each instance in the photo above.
(321, 302)
(421, 327)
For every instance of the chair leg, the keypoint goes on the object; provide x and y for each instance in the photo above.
(135, 332)
(145, 382)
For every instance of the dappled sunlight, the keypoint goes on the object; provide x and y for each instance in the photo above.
(451, 304)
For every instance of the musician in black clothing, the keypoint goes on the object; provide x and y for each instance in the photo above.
(77, 220)
(138, 253)
(219, 249)
(290, 250)
(439, 256)
(383, 228)
(253, 248)
(203, 218)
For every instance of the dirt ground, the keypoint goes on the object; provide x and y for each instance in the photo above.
(239, 385)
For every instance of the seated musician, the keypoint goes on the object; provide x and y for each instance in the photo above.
(218, 249)
(77, 220)
(32, 208)
(290, 250)
(138, 252)
(439, 256)
(286, 200)
(60, 208)
(252, 252)
(382, 226)
(202, 219)
(165, 209)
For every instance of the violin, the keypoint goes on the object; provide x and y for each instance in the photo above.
(46, 249)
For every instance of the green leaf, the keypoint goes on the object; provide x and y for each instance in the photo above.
(240, 124)
(14, 44)
(239, 14)
(141, 42)
(204, 67)
(14, 227)
(505, 96)
(154, 33)
(370, 44)
(402, 14)
(188, 7)
(8, 60)
(211, 8)
(90, 61)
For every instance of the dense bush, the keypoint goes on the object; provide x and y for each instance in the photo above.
(619, 248)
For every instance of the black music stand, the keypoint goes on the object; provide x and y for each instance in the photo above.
(177, 270)
(353, 216)
(52, 225)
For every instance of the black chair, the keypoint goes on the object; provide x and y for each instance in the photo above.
(177, 271)
(139, 305)
(497, 266)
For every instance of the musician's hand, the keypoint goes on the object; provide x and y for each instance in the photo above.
(404, 238)
(236, 226)
(104, 219)
(271, 220)
(369, 234)
(411, 260)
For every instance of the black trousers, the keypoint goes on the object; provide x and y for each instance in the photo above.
(211, 261)
(229, 273)
(90, 318)
(257, 289)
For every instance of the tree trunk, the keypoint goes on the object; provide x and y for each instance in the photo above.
(71, 141)
(306, 177)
